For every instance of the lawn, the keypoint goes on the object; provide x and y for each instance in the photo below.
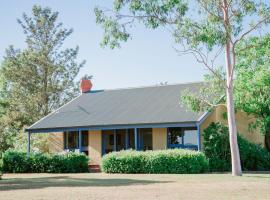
(141, 186)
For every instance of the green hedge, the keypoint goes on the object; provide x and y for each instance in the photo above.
(19, 162)
(176, 161)
(217, 150)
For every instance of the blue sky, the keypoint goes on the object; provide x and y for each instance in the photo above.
(147, 59)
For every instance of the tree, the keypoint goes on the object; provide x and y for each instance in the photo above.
(41, 77)
(206, 30)
(251, 89)
(252, 84)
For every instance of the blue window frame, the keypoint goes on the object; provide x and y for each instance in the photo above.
(183, 137)
(71, 141)
(120, 139)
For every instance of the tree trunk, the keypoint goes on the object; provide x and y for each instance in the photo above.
(235, 157)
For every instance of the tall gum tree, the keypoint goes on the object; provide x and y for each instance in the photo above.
(204, 28)
(251, 85)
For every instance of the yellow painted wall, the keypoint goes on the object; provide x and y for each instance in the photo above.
(159, 138)
(242, 123)
(56, 142)
(95, 147)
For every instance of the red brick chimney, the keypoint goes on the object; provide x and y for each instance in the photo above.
(85, 85)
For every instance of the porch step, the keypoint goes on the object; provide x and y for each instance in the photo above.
(94, 168)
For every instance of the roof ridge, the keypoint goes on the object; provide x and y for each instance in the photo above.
(150, 86)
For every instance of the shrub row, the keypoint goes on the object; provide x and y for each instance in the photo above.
(176, 161)
(19, 162)
(217, 150)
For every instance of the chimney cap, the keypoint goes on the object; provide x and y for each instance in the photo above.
(85, 85)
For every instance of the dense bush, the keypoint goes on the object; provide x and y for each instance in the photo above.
(19, 162)
(1, 168)
(176, 161)
(217, 150)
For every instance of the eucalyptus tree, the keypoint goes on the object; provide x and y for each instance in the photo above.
(251, 85)
(204, 28)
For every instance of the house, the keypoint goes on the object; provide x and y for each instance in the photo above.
(146, 118)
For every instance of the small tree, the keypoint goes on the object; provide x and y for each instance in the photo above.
(205, 30)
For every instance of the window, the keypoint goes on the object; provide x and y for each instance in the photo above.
(113, 140)
(71, 140)
(131, 139)
(191, 137)
(84, 138)
(108, 140)
(183, 137)
(145, 137)
(175, 136)
(120, 139)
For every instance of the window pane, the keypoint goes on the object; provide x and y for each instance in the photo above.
(84, 138)
(120, 139)
(191, 137)
(108, 140)
(175, 135)
(131, 141)
(145, 136)
(71, 140)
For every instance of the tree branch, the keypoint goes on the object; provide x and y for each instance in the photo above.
(201, 58)
(250, 30)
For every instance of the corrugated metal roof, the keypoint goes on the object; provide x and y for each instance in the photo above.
(146, 105)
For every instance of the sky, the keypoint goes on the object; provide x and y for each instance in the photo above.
(147, 59)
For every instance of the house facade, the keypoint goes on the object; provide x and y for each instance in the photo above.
(147, 118)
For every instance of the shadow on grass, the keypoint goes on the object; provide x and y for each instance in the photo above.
(66, 181)
(257, 174)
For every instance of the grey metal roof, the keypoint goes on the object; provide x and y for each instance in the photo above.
(131, 106)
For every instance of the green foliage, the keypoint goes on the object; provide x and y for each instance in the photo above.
(151, 13)
(252, 84)
(177, 161)
(217, 147)
(38, 79)
(195, 24)
(19, 162)
(217, 150)
(1, 167)
(208, 94)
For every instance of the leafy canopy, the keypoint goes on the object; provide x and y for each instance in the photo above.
(39, 78)
(201, 28)
(196, 24)
(252, 91)
(251, 85)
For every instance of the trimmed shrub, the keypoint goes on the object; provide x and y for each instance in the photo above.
(175, 161)
(39, 162)
(19, 162)
(217, 150)
(68, 163)
(16, 162)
